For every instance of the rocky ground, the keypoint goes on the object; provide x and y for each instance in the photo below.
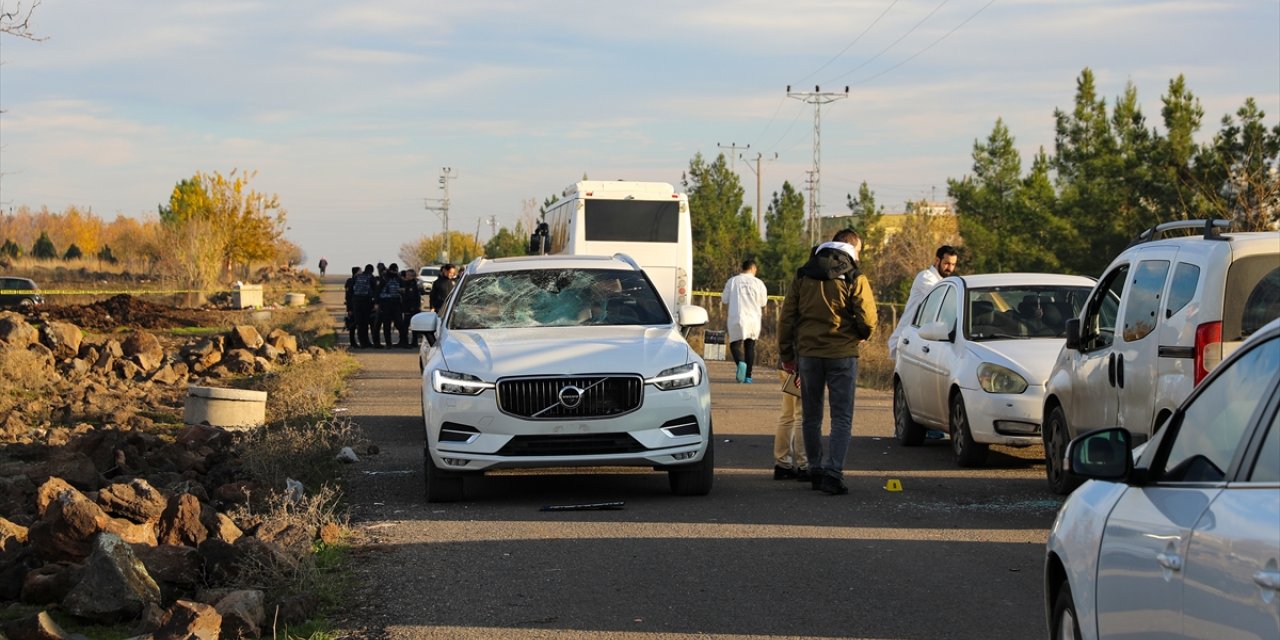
(110, 510)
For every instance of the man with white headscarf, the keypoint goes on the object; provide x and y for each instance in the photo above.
(746, 296)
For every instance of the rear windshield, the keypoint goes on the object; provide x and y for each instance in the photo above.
(632, 220)
(430, 272)
(1252, 296)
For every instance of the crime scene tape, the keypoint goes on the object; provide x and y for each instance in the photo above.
(108, 292)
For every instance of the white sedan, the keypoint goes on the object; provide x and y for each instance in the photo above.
(1184, 540)
(974, 360)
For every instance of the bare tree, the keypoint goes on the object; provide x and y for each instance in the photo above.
(16, 21)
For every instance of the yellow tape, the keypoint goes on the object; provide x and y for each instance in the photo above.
(717, 294)
(106, 292)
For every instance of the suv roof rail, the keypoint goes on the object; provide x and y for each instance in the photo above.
(1212, 229)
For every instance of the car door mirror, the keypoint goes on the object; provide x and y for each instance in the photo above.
(937, 331)
(425, 322)
(1102, 454)
(1073, 334)
(691, 316)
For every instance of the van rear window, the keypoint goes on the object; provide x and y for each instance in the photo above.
(1252, 296)
(632, 220)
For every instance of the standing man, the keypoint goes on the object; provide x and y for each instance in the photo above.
(410, 305)
(828, 311)
(362, 302)
(389, 305)
(442, 286)
(746, 296)
(944, 264)
(349, 321)
(324, 264)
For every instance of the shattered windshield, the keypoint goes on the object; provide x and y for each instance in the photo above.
(1022, 311)
(556, 298)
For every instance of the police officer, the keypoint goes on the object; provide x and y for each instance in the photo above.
(349, 321)
(410, 304)
(362, 302)
(389, 304)
(443, 285)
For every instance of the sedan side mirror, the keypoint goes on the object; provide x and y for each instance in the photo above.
(691, 316)
(1102, 454)
(937, 331)
(1073, 334)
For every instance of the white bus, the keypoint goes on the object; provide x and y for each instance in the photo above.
(648, 221)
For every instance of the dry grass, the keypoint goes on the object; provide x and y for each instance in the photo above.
(23, 378)
(300, 451)
(307, 391)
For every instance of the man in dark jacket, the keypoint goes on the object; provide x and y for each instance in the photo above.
(442, 287)
(388, 304)
(410, 305)
(828, 311)
(349, 322)
(362, 303)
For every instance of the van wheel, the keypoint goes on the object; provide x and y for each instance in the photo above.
(695, 479)
(441, 485)
(1056, 437)
(969, 453)
(1065, 624)
(906, 431)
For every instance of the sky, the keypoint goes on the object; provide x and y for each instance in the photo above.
(348, 111)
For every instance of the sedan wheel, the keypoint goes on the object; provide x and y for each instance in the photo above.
(906, 431)
(968, 452)
(1066, 626)
(1056, 437)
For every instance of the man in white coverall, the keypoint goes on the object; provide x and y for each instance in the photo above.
(746, 296)
(944, 264)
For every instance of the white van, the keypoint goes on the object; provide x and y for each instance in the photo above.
(1162, 316)
(648, 221)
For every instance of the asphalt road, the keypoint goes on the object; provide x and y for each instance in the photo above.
(956, 554)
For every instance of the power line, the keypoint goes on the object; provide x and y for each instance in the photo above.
(895, 42)
(850, 45)
(931, 44)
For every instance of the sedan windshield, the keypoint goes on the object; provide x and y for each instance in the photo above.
(1021, 311)
(556, 298)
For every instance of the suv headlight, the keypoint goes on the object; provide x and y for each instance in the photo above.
(681, 377)
(994, 378)
(463, 384)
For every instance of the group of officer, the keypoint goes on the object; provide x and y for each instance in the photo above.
(387, 297)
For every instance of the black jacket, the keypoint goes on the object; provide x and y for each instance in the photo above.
(440, 292)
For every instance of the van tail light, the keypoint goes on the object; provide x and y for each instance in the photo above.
(1208, 348)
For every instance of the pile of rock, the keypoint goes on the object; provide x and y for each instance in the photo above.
(103, 378)
(171, 550)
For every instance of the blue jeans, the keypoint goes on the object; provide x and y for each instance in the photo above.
(836, 375)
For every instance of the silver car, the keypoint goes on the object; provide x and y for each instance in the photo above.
(1181, 538)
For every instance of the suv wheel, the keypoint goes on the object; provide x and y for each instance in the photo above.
(1065, 624)
(1055, 450)
(442, 486)
(968, 452)
(695, 479)
(906, 431)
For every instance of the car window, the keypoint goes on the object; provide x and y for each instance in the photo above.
(929, 309)
(947, 312)
(1145, 288)
(1182, 288)
(1267, 468)
(1252, 296)
(1213, 424)
(1099, 323)
(555, 298)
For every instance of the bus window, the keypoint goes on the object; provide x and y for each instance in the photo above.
(632, 220)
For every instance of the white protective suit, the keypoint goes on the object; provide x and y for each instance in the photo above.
(746, 296)
(919, 288)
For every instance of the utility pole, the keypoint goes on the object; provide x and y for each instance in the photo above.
(442, 206)
(759, 214)
(733, 154)
(817, 98)
(493, 226)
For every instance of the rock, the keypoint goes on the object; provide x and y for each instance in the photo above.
(166, 375)
(16, 561)
(11, 531)
(330, 533)
(15, 331)
(44, 357)
(105, 362)
(115, 587)
(282, 340)
(68, 524)
(189, 620)
(203, 435)
(246, 337)
(63, 338)
(49, 492)
(38, 626)
(180, 522)
(144, 348)
(50, 583)
(297, 608)
(243, 613)
(225, 529)
(76, 368)
(135, 500)
(290, 535)
(239, 361)
(236, 492)
(270, 353)
(347, 454)
(171, 563)
(220, 561)
(128, 369)
(75, 468)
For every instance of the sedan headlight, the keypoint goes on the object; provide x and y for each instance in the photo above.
(681, 377)
(997, 379)
(463, 384)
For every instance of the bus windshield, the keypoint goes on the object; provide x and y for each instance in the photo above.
(632, 220)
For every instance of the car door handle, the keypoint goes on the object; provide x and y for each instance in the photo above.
(925, 348)
(906, 341)
(1111, 369)
(1120, 370)
(1170, 561)
(1268, 580)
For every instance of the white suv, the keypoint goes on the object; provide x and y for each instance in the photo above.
(554, 361)
(1162, 316)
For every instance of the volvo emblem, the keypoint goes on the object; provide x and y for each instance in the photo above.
(570, 396)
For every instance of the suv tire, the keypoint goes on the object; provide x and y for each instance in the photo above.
(441, 485)
(1056, 437)
(906, 431)
(695, 479)
(1065, 624)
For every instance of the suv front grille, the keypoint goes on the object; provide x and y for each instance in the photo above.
(552, 398)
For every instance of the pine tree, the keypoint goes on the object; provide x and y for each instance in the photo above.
(786, 245)
(43, 249)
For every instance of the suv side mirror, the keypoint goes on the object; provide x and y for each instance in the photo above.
(424, 322)
(1073, 334)
(1102, 454)
(691, 316)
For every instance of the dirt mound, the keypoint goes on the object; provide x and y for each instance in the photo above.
(126, 310)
